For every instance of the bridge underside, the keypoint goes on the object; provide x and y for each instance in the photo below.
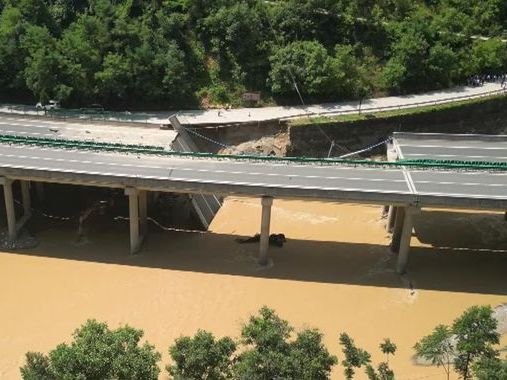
(400, 220)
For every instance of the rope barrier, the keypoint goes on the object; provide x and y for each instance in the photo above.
(46, 215)
(424, 163)
(366, 149)
(206, 138)
(161, 226)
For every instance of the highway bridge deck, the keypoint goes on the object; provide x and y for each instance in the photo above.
(405, 187)
(444, 146)
(277, 179)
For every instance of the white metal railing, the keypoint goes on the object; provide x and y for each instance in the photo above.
(361, 109)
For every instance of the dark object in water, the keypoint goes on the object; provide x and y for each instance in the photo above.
(274, 239)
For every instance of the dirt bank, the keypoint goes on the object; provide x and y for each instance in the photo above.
(335, 273)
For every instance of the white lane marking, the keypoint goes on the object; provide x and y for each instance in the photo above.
(63, 134)
(28, 133)
(465, 195)
(454, 147)
(410, 182)
(207, 181)
(464, 183)
(82, 127)
(460, 173)
(430, 155)
(198, 160)
(216, 171)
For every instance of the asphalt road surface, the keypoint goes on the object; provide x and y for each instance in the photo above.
(98, 132)
(438, 146)
(334, 182)
(259, 114)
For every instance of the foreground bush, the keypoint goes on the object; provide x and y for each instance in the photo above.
(468, 345)
(96, 352)
(267, 349)
(265, 352)
(202, 357)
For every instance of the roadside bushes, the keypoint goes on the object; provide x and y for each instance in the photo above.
(268, 348)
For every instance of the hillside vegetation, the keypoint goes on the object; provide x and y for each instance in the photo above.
(185, 53)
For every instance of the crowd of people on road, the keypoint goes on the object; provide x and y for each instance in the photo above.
(479, 79)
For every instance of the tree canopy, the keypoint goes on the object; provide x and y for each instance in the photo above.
(179, 53)
(265, 351)
(96, 353)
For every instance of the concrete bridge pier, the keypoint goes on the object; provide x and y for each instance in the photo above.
(391, 215)
(399, 217)
(9, 207)
(405, 236)
(137, 217)
(14, 227)
(267, 202)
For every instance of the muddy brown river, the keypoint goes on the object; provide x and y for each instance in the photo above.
(334, 273)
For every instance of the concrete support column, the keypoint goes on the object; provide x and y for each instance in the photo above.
(391, 216)
(135, 240)
(397, 229)
(267, 202)
(143, 212)
(406, 236)
(9, 208)
(25, 197)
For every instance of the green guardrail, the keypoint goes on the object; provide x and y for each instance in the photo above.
(159, 151)
(80, 144)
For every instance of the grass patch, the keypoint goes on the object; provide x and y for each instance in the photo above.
(352, 117)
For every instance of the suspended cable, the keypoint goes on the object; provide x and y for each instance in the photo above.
(366, 149)
(206, 138)
(291, 74)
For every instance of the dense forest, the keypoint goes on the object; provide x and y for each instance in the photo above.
(186, 53)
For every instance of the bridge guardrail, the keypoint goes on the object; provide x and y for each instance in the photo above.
(96, 146)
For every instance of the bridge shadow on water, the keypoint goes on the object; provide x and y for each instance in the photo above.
(444, 259)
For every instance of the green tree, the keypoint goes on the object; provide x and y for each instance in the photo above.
(37, 367)
(306, 65)
(235, 35)
(202, 357)
(388, 348)
(438, 348)
(356, 358)
(43, 63)
(269, 354)
(12, 27)
(475, 334)
(468, 344)
(96, 352)
(490, 369)
(443, 65)
(351, 74)
(325, 21)
(310, 358)
(489, 56)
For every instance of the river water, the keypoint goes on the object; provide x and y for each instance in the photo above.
(334, 273)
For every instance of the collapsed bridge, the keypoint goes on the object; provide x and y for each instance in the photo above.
(407, 183)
